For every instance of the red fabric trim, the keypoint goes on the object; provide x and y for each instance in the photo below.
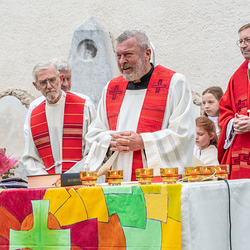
(40, 133)
(153, 108)
(235, 100)
(114, 97)
(72, 132)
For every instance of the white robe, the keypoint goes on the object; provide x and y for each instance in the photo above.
(55, 114)
(209, 155)
(170, 147)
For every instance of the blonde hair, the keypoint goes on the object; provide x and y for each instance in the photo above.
(209, 126)
(244, 27)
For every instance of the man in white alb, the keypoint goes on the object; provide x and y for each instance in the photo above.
(65, 70)
(57, 127)
(145, 114)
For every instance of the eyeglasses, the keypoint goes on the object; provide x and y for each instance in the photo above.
(246, 41)
(43, 83)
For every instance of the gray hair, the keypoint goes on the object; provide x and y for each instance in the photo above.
(61, 64)
(141, 37)
(43, 66)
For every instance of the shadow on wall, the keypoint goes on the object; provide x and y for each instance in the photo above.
(13, 109)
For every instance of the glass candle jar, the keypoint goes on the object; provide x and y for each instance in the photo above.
(114, 177)
(221, 171)
(88, 178)
(169, 175)
(144, 175)
(193, 173)
(207, 172)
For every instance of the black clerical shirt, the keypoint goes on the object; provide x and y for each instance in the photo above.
(144, 81)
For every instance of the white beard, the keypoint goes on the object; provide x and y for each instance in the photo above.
(52, 97)
(139, 70)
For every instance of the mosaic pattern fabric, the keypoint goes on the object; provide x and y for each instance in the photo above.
(113, 218)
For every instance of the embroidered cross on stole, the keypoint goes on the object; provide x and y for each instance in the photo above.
(153, 108)
(72, 133)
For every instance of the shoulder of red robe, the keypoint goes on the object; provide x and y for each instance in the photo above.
(243, 67)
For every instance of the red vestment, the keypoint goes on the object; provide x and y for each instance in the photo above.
(153, 108)
(72, 133)
(235, 100)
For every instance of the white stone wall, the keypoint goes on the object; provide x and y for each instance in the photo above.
(194, 37)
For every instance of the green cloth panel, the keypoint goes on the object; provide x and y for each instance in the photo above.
(40, 237)
(130, 208)
(149, 238)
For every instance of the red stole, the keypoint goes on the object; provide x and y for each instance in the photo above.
(72, 132)
(153, 107)
(235, 100)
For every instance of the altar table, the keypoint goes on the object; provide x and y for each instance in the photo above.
(187, 216)
(204, 215)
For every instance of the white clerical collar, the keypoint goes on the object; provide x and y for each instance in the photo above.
(249, 64)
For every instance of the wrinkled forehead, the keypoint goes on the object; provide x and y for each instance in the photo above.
(130, 44)
(45, 73)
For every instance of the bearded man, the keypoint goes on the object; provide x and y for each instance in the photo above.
(57, 127)
(145, 114)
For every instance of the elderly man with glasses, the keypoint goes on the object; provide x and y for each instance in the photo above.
(65, 70)
(234, 121)
(57, 127)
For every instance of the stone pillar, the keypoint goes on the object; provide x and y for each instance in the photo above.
(92, 59)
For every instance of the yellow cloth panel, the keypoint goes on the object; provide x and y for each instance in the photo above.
(174, 196)
(171, 235)
(156, 203)
(153, 188)
(72, 211)
(95, 203)
(56, 196)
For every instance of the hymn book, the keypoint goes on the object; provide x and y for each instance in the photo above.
(44, 181)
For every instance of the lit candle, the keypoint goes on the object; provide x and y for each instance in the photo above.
(144, 175)
(169, 173)
(207, 171)
(88, 177)
(115, 176)
(220, 171)
(193, 173)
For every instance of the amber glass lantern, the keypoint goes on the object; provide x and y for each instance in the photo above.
(114, 177)
(193, 173)
(144, 175)
(221, 171)
(169, 175)
(207, 172)
(88, 178)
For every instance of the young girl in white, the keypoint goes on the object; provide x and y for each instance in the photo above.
(210, 104)
(206, 141)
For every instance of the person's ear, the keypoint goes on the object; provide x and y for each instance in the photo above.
(35, 85)
(61, 78)
(148, 54)
(211, 136)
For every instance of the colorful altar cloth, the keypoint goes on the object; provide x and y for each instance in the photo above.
(113, 218)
